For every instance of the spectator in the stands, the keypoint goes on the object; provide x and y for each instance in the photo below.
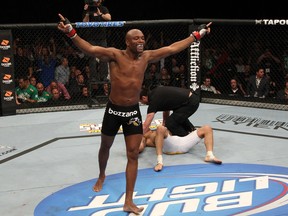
(43, 96)
(33, 80)
(283, 93)
(226, 71)
(174, 71)
(46, 63)
(165, 78)
(208, 61)
(272, 67)
(85, 92)
(62, 72)
(73, 75)
(60, 87)
(76, 85)
(273, 89)
(234, 89)
(258, 85)
(86, 73)
(151, 76)
(23, 66)
(106, 88)
(183, 73)
(206, 87)
(25, 92)
(57, 98)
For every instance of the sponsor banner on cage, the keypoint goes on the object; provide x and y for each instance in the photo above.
(5, 41)
(7, 87)
(6, 61)
(7, 79)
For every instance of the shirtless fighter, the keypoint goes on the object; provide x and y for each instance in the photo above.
(127, 68)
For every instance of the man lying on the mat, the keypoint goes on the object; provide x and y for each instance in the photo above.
(162, 139)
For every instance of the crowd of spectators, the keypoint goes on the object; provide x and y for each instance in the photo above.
(226, 75)
(259, 73)
(50, 74)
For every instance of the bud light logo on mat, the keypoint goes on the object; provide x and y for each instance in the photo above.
(198, 189)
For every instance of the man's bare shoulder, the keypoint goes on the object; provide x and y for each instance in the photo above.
(153, 55)
(115, 50)
(114, 53)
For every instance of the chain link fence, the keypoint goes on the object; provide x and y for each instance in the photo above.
(233, 52)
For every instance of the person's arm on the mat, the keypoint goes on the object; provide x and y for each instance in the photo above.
(147, 122)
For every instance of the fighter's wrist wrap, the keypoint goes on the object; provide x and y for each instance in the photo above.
(196, 35)
(72, 34)
(199, 34)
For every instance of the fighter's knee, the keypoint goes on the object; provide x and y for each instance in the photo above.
(133, 155)
(161, 129)
(207, 128)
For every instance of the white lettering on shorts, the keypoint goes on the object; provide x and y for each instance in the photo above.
(122, 114)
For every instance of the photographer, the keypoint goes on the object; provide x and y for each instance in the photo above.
(94, 11)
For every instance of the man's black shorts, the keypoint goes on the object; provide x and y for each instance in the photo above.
(128, 116)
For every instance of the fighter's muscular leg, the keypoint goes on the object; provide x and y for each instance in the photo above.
(103, 155)
(132, 152)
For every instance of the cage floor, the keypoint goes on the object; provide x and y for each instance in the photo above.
(46, 155)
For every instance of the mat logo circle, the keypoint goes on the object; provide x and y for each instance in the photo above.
(199, 189)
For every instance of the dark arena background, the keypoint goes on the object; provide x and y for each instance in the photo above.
(235, 49)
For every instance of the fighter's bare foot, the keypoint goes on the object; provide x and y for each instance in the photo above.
(99, 184)
(158, 167)
(133, 209)
(212, 160)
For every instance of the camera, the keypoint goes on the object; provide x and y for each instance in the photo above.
(91, 4)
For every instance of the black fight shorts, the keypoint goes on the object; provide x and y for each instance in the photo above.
(128, 117)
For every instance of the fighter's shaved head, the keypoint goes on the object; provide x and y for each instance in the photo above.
(133, 32)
